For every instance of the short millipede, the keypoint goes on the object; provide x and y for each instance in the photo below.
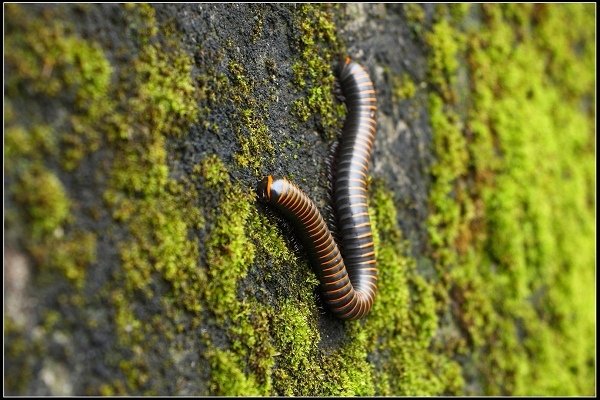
(349, 283)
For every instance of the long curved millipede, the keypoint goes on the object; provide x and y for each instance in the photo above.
(349, 283)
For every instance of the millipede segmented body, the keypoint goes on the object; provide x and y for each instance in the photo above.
(348, 278)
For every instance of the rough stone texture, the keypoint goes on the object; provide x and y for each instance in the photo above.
(67, 341)
(375, 35)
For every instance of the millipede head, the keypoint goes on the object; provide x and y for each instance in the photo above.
(343, 62)
(263, 189)
(269, 189)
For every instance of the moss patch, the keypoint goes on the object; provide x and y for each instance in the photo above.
(253, 133)
(157, 211)
(156, 89)
(230, 252)
(48, 65)
(318, 46)
(46, 59)
(44, 197)
(415, 16)
(403, 87)
(506, 221)
(273, 348)
(402, 324)
(238, 96)
(48, 62)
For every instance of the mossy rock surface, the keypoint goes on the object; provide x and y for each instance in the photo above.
(138, 261)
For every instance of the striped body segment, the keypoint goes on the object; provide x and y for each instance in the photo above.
(348, 277)
(340, 294)
(350, 181)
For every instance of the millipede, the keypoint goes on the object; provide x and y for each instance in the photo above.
(348, 277)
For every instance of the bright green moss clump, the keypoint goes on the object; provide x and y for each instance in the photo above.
(51, 61)
(445, 42)
(230, 252)
(512, 220)
(227, 376)
(402, 324)
(228, 232)
(318, 45)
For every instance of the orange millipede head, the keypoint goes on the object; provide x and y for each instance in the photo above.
(343, 62)
(263, 189)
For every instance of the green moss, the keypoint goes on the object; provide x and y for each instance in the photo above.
(403, 87)
(44, 58)
(238, 95)
(141, 20)
(403, 322)
(158, 212)
(414, 13)
(71, 255)
(155, 87)
(504, 219)
(302, 368)
(270, 244)
(415, 16)
(444, 223)
(248, 116)
(43, 196)
(347, 371)
(158, 83)
(45, 206)
(227, 377)
(165, 89)
(49, 60)
(523, 239)
(318, 46)
(51, 64)
(457, 12)
(22, 145)
(445, 43)
(296, 339)
(229, 251)
(252, 133)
